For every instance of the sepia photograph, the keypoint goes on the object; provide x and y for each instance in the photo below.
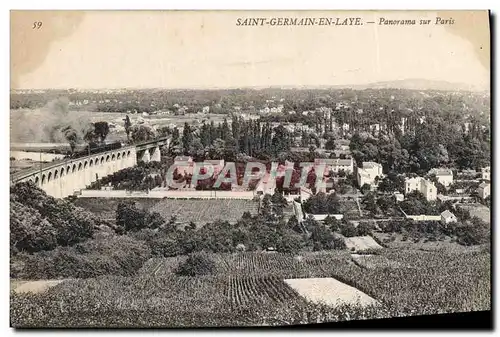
(244, 168)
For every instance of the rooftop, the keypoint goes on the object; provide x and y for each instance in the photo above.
(333, 161)
(447, 214)
(370, 164)
(441, 172)
(182, 158)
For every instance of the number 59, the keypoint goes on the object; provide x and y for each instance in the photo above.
(37, 25)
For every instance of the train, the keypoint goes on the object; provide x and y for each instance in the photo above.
(96, 148)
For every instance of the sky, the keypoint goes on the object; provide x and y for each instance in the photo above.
(203, 49)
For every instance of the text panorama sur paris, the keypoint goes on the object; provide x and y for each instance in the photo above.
(349, 21)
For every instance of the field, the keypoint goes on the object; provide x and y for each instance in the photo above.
(203, 211)
(349, 209)
(360, 243)
(478, 210)
(35, 286)
(250, 289)
(105, 208)
(200, 211)
(265, 264)
(369, 261)
(397, 241)
(329, 291)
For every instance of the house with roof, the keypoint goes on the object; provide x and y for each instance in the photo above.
(399, 197)
(484, 190)
(448, 217)
(443, 175)
(217, 164)
(424, 186)
(184, 164)
(368, 173)
(485, 173)
(266, 185)
(335, 164)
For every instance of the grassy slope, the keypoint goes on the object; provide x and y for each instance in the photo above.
(248, 289)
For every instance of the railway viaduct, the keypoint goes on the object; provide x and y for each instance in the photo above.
(65, 177)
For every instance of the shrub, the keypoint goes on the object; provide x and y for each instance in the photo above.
(106, 254)
(348, 230)
(40, 222)
(339, 243)
(196, 265)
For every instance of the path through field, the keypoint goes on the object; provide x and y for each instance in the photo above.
(36, 286)
(329, 291)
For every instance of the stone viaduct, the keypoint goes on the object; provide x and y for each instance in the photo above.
(65, 177)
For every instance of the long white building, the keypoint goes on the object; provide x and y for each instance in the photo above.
(368, 173)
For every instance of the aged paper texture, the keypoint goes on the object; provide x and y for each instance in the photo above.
(249, 168)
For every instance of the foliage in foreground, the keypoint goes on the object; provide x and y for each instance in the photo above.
(196, 265)
(39, 222)
(107, 254)
(248, 289)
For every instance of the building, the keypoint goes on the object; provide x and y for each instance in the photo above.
(217, 165)
(424, 186)
(342, 144)
(368, 173)
(428, 189)
(336, 165)
(485, 173)
(184, 164)
(399, 197)
(448, 217)
(484, 190)
(266, 185)
(444, 176)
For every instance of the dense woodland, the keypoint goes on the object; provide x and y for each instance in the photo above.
(407, 131)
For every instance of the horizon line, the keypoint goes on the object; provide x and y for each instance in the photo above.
(373, 85)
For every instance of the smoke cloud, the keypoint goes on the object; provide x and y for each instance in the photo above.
(48, 124)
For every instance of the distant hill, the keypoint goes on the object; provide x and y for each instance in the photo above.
(409, 84)
(419, 84)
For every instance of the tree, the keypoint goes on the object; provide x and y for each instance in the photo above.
(187, 138)
(385, 203)
(71, 136)
(349, 230)
(294, 225)
(290, 243)
(369, 201)
(332, 223)
(278, 199)
(28, 231)
(364, 228)
(127, 125)
(91, 137)
(339, 243)
(129, 217)
(141, 133)
(196, 265)
(323, 236)
(40, 222)
(392, 183)
(365, 188)
(101, 130)
(330, 143)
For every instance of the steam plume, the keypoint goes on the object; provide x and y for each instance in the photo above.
(48, 124)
